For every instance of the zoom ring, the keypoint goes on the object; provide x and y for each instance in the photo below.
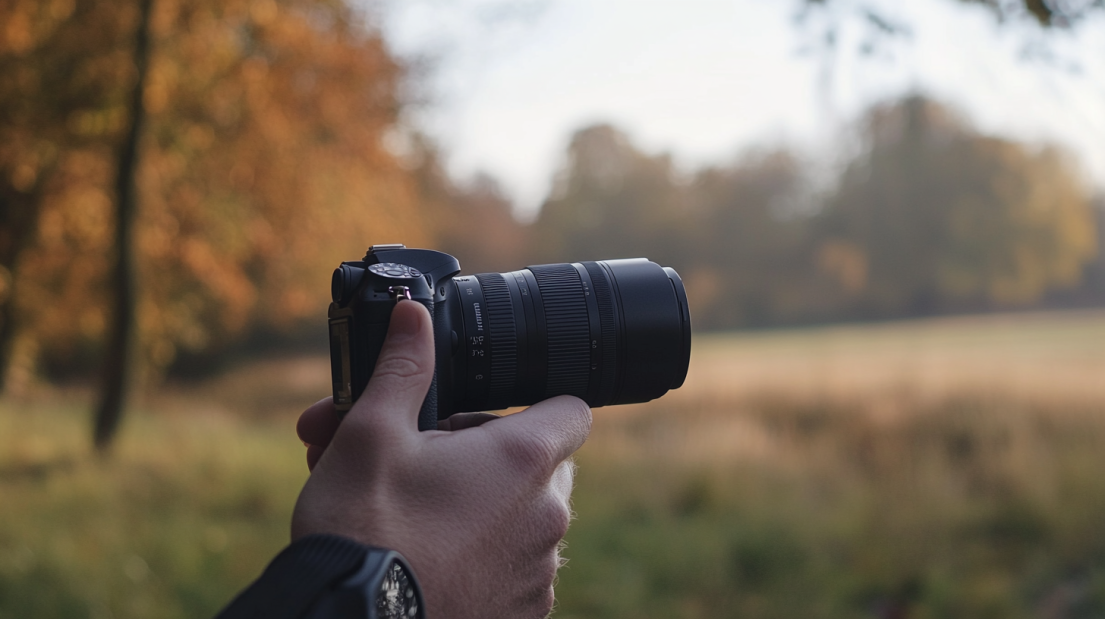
(568, 329)
(604, 297)
(503, 340)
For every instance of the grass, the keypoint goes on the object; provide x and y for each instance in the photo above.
(948, 468)
(186, 512)
(967, 508)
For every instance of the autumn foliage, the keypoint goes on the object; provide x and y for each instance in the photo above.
(261, 166)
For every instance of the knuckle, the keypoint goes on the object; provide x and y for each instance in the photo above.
(557, 520)
(530, 453)
(397, 366)
(536, 597)
(540, 599)
(548, 524)
(547, 601)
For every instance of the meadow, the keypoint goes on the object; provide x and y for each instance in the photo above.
(935, 468)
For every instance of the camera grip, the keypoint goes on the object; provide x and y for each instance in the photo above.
(427, 415)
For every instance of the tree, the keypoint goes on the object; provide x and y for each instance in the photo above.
(748, 251)
(611, 201)
(60, 108)
(262, 167)
(929, 217)
(1046, 13)
(736, 233)
(933, 216)
(266, 166)
(120, 341)
(472, 220)
(827, 21)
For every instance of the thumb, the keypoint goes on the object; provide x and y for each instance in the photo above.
(403, 371)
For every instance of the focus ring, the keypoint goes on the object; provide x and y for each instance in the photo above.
(504, 340)
(567, 327)
(605, 298)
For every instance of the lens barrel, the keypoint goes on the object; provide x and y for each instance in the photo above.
(609, 332)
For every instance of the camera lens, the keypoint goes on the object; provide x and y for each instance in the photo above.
(609, 332)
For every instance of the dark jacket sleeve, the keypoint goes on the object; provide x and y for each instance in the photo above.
(299, 579)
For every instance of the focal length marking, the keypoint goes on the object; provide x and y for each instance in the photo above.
(477, 356)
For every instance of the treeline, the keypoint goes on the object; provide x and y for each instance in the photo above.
(928, 217)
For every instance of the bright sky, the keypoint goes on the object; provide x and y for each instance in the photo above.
(511, 80)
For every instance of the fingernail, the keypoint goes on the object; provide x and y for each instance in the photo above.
(404, 323)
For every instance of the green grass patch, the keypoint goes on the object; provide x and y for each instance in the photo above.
(185, 512)
(963, 509)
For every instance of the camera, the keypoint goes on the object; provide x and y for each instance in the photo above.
(608, 332)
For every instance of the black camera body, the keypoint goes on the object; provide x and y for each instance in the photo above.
(609, 332)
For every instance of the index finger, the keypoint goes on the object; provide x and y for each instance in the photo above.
(317, 424)
(545, 434)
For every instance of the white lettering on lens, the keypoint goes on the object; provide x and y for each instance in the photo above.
(479, 317)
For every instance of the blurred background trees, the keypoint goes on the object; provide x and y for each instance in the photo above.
(269, 156)
(933, 217)
(62, 69)
(928, 217)
(1047, 13)
(611, 200)
(265, 167)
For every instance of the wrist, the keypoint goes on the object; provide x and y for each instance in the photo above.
(332, 576)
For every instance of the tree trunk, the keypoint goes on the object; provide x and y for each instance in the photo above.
(117, 360)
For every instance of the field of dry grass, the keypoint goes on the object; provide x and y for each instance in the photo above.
(942, 468)
(937, 468)
(882, 374)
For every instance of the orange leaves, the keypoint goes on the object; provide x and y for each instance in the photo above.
(268, 159)
(23, 177)
(25, 24)
(263, 12)
(95, 123)
(18, 36)
(223, 277)
(261, 166)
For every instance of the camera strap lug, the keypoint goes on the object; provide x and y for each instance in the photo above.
(399, 292)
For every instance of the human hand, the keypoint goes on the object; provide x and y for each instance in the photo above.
(477, 507)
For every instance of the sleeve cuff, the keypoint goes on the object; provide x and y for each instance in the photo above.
(296, 578)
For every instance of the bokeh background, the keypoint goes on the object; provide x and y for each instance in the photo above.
(889, 220)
